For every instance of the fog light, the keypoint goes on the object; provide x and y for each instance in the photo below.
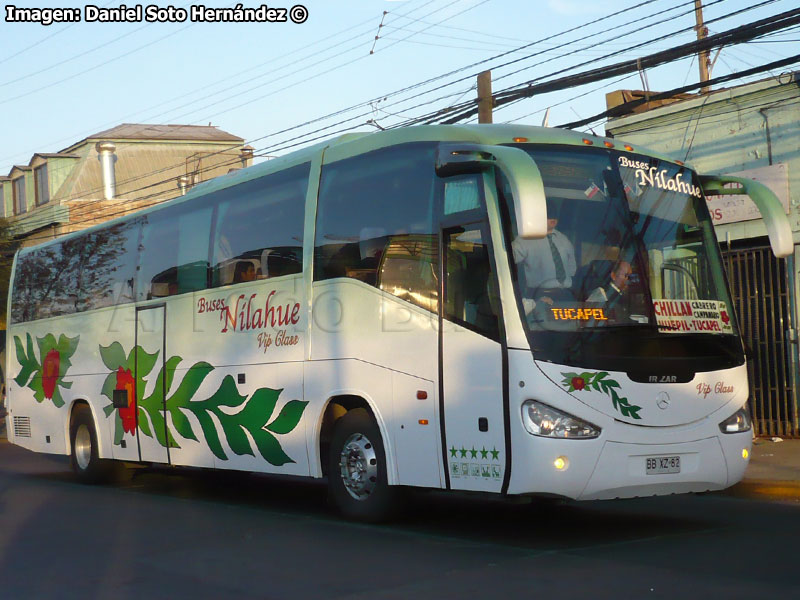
(745, 453)
(561, 463)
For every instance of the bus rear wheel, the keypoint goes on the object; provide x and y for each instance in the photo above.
(357, 478)
(86, 464)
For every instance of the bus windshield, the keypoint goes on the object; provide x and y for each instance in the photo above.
(630, 261)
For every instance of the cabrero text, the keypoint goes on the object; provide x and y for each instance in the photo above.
(153, 13)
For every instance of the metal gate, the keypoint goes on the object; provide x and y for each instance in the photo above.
(760, 288)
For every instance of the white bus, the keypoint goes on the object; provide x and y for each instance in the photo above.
(429, 307)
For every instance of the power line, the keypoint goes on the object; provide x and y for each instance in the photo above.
(45, 38)
(271, 62)
(316, 120)
(339, 112)
(74, 57)
(432, 117)
(728, 38)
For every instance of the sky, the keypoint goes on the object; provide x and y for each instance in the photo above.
(350, 65)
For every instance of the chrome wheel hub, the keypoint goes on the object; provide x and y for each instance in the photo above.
(83, 447)
(358, 464)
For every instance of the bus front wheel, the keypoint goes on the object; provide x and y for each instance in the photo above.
(86, 464)
(357, 469)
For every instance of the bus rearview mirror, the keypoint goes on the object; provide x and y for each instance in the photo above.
(524, 178)
(778, 228)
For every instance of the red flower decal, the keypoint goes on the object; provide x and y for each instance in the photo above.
(724, 316)
(578, 383)
(125, 381)
(50, 369)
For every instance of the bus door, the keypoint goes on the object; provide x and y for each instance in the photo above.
(151, 425)
(471, 352)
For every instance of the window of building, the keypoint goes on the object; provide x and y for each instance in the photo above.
(375, 222)
(18, 190)
(259, 228)
(41, 185)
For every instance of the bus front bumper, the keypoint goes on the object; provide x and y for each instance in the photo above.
(630, 470)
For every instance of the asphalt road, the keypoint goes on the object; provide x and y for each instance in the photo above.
(192, 534)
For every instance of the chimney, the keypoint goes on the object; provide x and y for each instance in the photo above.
(246, 155)
(107, 158)
(184, 183)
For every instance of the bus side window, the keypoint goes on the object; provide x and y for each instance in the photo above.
(90, 271)
(375, 223)
(158, 261)
(259, 228)
(108, 268)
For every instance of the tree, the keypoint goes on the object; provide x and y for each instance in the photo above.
(8, 246)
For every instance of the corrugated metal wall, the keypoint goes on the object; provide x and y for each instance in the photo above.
(760, 289)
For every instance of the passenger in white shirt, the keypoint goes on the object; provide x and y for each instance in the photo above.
(543, 276)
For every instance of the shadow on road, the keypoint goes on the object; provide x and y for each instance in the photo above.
(481, 519)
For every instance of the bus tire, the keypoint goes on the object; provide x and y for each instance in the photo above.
(86, 464)
(357, 481)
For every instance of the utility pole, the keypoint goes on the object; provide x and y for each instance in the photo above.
(485, 100)
(702, 56)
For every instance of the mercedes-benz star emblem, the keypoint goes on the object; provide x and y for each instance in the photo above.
(662, 401)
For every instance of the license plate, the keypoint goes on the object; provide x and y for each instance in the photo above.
(657, 465)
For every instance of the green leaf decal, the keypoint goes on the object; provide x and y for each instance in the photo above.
(142, 422)
(182, 424)
(189, 385)
(57, 399)
(270, 449)
(169, 371)
(109, 385)
(113, 356)
(153, 405)
(602, 382)
(245, 430)
(27, 361)
(260, 407)
(289, 417)
(144, 362)
(24, 374)
(31, 355)
(67, 346)
(210, 433)
(38, 391)
(21, 356)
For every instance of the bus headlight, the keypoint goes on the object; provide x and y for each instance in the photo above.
(737, 422)
(546, 421)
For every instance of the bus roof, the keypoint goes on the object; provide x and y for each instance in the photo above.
(351, 144)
